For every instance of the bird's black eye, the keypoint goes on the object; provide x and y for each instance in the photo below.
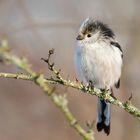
(89, 35)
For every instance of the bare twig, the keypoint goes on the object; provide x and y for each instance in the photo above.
(93, 91)
(59, 100)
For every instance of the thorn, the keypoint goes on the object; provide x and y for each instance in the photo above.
(57, 73)
(130, 98)
(112, 94)
(90, 125)
(76, 80)
(51, 51)
(45, 60)
(90, 85)
(49, 54)
(52, 65)
(83, 87)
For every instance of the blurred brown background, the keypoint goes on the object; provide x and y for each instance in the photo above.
(32, 27)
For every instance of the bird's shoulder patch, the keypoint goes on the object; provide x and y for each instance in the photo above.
(116, 44)
(117, 85)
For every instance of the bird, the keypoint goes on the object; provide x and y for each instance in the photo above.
(99, 59)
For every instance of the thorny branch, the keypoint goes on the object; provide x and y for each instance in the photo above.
(57, 78)
(59, 100)
(128, 106)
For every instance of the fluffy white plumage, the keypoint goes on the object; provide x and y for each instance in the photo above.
(98, 58)
(98, 62)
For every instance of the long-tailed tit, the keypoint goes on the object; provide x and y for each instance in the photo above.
(99, 59)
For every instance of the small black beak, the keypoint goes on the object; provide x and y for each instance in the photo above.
(80, 37)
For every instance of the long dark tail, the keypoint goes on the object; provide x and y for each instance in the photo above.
(103, 120)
